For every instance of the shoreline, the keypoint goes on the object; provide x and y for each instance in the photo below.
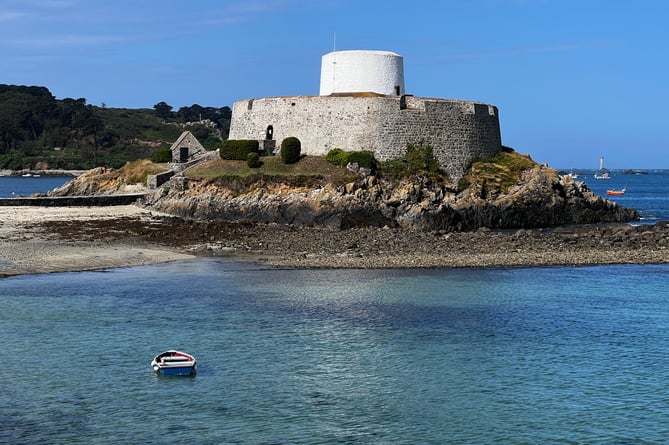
(45, 173)
(36, 240)
(27, 248)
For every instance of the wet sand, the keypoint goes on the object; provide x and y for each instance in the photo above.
(58, 239)
(28, 247)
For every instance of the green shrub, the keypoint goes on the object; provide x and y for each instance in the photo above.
(211, 142)
(253, 160)
(238, 149)
(499, 172)
(420, 158)
(394, 168)
(464, 183)
(164, 154)
(290, 150)
(364, 159)
(337, 157)
(341, 158)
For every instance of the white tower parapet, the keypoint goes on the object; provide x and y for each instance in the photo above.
(380, 72)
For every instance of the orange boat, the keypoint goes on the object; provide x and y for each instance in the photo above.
(616, 192)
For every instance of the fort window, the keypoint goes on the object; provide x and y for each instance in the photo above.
(269, 133)
(397, 90)
(250, 106)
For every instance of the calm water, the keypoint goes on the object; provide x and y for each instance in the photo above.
(648, 193)
(13, 186)
(509, 356)
(537, 355)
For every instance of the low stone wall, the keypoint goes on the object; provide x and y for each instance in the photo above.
(74, 201)
(155, 181)
(179, 167)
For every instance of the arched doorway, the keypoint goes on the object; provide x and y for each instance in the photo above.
(269, 134)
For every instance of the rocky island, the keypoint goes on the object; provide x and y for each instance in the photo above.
(383, 179)
(542, 218)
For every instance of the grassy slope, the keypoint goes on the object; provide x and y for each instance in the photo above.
(499, 172)
(309, 170)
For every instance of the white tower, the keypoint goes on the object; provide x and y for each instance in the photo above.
(380, 72)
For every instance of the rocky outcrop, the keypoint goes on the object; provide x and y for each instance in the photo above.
(130, 179)
(541, 198)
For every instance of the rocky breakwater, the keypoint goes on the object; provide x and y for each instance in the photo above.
(539, 198)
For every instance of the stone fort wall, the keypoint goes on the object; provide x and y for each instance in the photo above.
(457, 130)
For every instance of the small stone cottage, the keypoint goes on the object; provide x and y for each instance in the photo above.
(186, 148)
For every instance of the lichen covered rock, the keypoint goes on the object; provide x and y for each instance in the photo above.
(540, 198)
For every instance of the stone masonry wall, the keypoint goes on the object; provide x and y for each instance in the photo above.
(457, 130)
(74, 201)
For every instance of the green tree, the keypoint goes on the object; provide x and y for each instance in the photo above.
(163, 110)
(33, 122)
(162, 155)
(194, 113)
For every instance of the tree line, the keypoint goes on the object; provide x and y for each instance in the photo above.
(194, 113)
(38, 131)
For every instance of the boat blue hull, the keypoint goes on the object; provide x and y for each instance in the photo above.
(187, 370)
(174, 362)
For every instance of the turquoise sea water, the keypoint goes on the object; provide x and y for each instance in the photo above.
(530, 355)
(510, 356)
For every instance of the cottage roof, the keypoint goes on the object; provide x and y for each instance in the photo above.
(188, 139)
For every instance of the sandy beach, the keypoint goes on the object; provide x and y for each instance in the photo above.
(58, 239)
(26, 247)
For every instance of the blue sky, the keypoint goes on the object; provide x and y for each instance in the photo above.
(573, 80)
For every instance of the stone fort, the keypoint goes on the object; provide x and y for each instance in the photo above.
(362, 105)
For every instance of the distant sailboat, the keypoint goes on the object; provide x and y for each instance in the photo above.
(603, 173)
